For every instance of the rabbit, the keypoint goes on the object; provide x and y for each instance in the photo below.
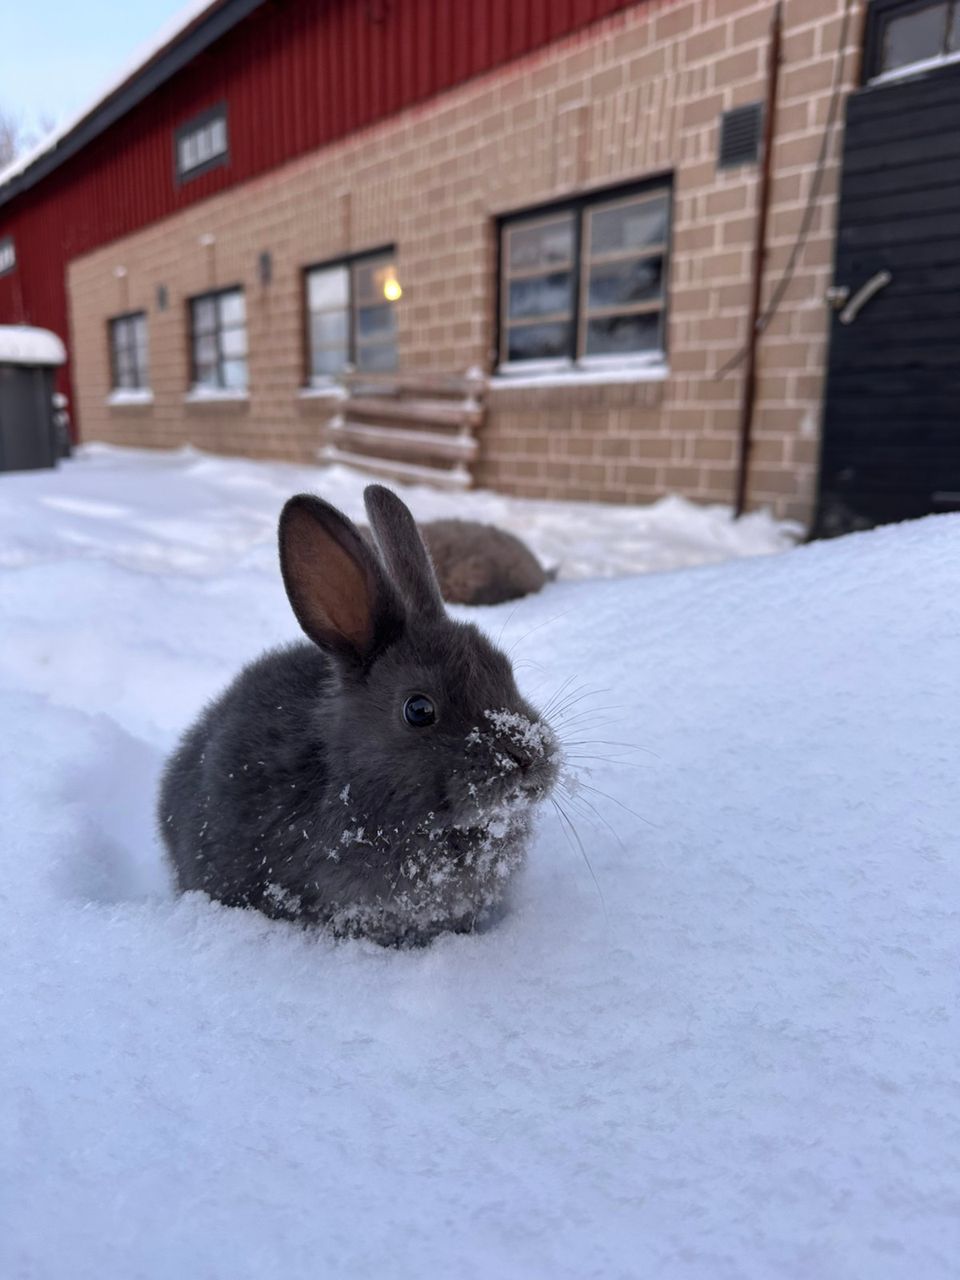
(380, 780)
(480, 564)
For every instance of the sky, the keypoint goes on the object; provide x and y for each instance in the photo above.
(55, 55)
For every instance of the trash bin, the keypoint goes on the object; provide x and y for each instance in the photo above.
(29, 433)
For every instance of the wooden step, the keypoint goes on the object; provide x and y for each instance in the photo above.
(455, 478)
(426, 384)
(442, 413)
(383, 436)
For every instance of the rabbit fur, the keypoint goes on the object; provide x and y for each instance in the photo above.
(304, 792)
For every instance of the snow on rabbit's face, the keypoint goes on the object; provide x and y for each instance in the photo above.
(439, 733)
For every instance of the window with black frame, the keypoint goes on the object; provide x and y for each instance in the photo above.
(351, 316)
(585, 283)
(218, 327)
(129, 357)
(903, 35)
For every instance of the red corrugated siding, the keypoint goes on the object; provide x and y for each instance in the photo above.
(296, 75)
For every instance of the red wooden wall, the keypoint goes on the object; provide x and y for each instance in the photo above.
(295, 74)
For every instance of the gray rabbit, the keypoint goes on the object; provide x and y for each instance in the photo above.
(380, 779)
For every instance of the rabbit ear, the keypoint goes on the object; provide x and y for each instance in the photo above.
(333, 581)
(403, 551)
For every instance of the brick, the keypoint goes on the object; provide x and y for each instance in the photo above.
(745, 64)
(703, 112)
(707, 43)
(799, 45)
(739, 231)
(771, 480)
(644, 477)
(752, 27)
(724, 266)
(707, 448)
(674, 22)
(731, 200)
(682, 478)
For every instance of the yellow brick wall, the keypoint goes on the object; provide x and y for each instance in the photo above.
(631, 98)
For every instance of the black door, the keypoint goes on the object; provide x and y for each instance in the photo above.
(891, 425)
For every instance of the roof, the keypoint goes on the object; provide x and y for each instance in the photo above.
(194, 29)
(19, 344)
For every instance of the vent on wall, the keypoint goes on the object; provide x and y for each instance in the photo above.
(740, 131)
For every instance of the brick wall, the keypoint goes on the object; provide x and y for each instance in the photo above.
(633, 97)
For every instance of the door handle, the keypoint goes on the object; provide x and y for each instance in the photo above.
(863, 296)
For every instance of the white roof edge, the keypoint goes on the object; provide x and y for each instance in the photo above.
(141, 55)
(20, 344)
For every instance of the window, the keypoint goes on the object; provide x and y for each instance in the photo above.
(902, 36)
(129, 360)
(219, 341)
(585, 282)
(352, 315)
(8, 255)
(201, 144)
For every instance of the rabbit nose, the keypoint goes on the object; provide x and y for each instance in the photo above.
(521, 758)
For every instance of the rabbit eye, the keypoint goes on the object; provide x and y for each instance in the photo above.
(419, 711)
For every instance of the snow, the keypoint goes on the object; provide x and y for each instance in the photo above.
(21, 344)
(198, 395)
(204, 515)
(130, 395)
(595, 371)
(145, 53)
(732, 1055)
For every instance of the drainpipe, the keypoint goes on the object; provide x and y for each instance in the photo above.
(759, 261)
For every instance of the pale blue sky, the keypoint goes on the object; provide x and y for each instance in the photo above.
(56, 54)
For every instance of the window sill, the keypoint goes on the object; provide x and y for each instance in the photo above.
(123, 399)
(323, 391)
(915, 69)
(216, 395)
(585, 375)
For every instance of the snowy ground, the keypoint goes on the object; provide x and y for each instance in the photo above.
(740, 1062)
(197, 514)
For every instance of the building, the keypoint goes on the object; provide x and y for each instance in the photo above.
(566, 194)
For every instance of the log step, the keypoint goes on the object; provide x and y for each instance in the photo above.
(456, 478)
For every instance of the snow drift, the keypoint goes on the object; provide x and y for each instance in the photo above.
(738, 1059)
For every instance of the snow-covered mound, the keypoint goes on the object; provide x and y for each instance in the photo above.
(735, 1060)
